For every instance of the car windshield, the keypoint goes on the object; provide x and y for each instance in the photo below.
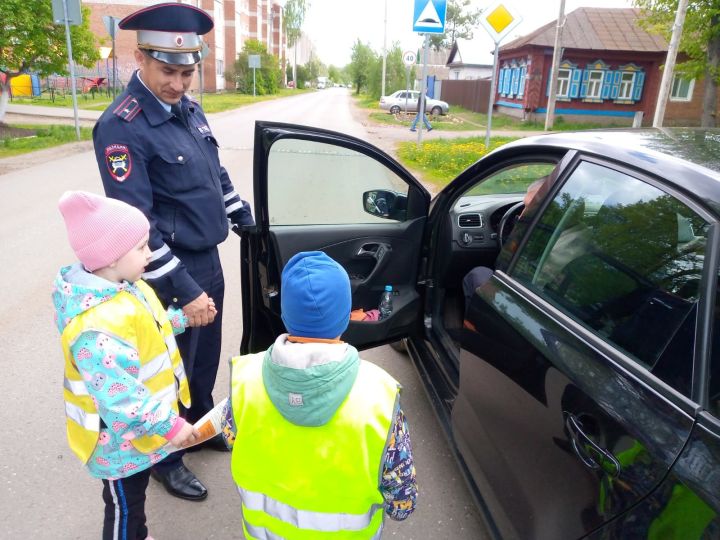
(511, 180)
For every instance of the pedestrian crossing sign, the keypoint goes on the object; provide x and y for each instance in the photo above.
(429, 16)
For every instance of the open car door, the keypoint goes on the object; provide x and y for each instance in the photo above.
(320, 190)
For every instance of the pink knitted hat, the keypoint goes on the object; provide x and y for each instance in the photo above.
(101, 230)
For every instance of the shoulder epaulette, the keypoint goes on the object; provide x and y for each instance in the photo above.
(128, 109)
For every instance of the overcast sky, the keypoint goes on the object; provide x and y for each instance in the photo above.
(334, 25)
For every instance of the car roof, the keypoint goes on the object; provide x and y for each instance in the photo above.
(688, 158)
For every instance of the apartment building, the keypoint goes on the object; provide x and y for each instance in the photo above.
(235, 22)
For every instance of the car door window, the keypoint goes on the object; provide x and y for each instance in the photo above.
(513, 179)
(624, 259)
(313, 183)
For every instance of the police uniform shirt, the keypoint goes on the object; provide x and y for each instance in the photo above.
(169, 168)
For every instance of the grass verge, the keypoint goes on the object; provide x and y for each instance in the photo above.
(45, 137)
(460, 119)
(211, 102)
(441, 160)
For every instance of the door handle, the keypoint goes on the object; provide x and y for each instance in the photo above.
(378, 251)
(592, 455)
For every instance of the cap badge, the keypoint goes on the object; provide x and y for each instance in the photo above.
(179, 40)
(118, 161)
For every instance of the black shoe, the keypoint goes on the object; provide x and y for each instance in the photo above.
(181, 482)
(216, 443)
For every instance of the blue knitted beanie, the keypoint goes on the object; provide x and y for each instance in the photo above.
(315, 296)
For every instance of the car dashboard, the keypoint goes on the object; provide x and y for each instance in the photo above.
(471, 236)
(475, 220)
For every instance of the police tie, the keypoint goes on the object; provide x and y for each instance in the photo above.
(177, 111)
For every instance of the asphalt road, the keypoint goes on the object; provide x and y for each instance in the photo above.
(44, 492)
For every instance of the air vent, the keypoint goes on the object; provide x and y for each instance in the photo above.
(469, 220)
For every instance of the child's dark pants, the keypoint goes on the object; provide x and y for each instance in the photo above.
(125, 507)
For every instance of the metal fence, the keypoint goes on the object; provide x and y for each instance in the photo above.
(468, 94)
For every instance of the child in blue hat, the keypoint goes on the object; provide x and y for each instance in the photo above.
(313, 427)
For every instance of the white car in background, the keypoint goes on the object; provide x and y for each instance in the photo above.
(397, 101)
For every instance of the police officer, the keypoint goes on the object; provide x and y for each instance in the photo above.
(157, 152)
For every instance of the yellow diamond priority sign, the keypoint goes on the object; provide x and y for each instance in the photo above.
(499, 19)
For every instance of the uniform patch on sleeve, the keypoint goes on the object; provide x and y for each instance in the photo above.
(118, 161)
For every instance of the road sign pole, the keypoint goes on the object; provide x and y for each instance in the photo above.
(491, 99)
(114, 67)
(72, 69)
(421, 105)
(407, 86)
(253, 82)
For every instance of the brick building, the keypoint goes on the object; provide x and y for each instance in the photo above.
(235, 22)
(609, 71)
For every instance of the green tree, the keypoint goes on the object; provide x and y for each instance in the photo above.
(30, 42)
(461, 19)
(267, 78)
(293, 18)
(362, 61)
(700, 42)
(395, 73)
(334, 74)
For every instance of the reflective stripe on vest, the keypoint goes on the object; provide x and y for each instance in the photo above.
(304, 519)
(82, 417)
(261, 533)
(142, 326)
(310, 483)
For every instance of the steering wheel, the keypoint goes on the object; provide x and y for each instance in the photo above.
(507, 222)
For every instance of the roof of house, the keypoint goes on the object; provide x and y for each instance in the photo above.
(471, 52)
(604, 29)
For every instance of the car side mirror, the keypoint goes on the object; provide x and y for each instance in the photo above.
(385, 204)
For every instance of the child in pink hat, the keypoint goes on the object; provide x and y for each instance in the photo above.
(123, 372)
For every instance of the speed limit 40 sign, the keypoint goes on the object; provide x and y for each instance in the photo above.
(409, 58)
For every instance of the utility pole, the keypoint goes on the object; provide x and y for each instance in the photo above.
(382, 91)
(670, 64)
(557, 51)
(71, 63)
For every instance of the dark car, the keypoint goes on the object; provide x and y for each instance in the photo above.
(579, 385)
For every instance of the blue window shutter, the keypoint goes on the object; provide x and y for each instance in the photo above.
(574, 89)
(521, 87)
(583, 87)
(514, 84)
(638, 88)
(607, 84)
(501, 74)
(506, 86)
(615, 90)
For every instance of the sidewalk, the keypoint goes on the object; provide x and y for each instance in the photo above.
(52, 112)
(37, 114)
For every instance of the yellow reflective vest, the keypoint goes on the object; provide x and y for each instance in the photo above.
(311, 483)
(149, 332)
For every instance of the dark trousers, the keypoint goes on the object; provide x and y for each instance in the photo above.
(200, 347)
(125, 507)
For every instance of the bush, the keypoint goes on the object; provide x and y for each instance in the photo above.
(267, 78)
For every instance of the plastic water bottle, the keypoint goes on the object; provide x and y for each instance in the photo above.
(386, 306)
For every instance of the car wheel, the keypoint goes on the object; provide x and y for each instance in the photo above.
(394, 109)
(437, 111)
(399, 346)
